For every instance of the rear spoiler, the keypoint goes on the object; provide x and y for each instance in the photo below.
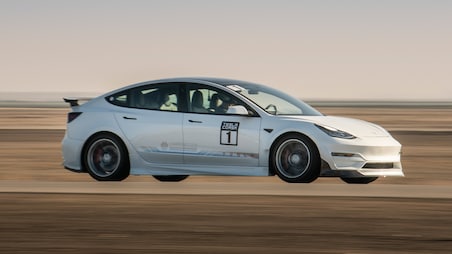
(74, 101)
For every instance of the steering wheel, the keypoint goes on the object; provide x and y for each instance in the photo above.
(273, 111)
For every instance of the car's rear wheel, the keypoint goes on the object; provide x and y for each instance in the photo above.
(359, 180)
(295, 159)
(170, 178)
(106, 159)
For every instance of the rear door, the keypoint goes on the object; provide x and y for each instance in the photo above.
(153, 123)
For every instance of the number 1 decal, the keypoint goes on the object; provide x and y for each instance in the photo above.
(229, 133)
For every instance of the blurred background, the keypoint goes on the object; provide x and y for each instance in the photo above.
(327, 50)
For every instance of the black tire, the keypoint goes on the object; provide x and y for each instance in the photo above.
(359, 180)
(171, 178)
(105, 158)
(295, 159)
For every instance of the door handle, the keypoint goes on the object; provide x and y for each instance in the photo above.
(194, 121)
(129, 118)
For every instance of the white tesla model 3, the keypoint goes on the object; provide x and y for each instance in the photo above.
(174, 128)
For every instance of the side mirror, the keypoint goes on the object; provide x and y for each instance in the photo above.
(237, 110)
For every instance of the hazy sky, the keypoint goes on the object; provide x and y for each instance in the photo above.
(314, 49)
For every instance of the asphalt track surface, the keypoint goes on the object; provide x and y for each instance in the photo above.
(46, 209)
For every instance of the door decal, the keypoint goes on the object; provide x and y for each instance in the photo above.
(229, 134)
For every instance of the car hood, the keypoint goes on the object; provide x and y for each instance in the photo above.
(358, 128)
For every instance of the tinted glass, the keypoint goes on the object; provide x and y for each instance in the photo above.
(155, 97)
(273, 101)
(209, 100)
(119, 99)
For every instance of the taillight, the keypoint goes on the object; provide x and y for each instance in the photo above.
(72, 115)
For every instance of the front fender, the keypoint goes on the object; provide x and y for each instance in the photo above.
(269, 138)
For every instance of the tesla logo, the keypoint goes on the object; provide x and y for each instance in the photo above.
(229, 133)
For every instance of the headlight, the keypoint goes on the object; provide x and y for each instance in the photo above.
(335, 133)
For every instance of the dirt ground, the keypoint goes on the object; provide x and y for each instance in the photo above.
(67, 223)
(87, 223)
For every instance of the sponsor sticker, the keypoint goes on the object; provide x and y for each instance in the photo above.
(229, 133)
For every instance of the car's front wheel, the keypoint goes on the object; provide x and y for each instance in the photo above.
(295, 159)
(170, 178)
(106, 159)
(359, 180)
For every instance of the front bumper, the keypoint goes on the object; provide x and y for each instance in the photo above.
(369, 157)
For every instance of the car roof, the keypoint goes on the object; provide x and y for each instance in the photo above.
(224, 81)
(218, 81)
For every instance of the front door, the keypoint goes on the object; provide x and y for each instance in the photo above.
(221, 140)
(214, 137)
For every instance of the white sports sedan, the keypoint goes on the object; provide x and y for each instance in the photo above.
(174, 128)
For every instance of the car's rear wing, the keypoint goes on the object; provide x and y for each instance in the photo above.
(75, 101)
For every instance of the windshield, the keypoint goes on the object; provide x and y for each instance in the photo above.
(273, 101)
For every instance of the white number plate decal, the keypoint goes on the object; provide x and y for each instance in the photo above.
(229, 133)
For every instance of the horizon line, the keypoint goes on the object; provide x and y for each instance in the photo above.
(314, 103)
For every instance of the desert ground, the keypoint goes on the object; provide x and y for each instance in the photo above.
(30, 142)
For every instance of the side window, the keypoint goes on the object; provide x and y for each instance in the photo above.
(210, 100)
(199, 100)
(146, 98)
(119, 99)
(156, 97)
(169, 102)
